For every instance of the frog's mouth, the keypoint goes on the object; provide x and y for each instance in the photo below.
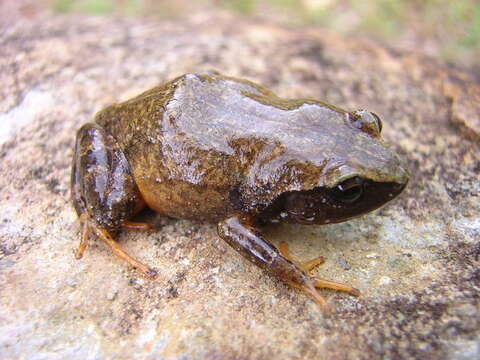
(351, 198)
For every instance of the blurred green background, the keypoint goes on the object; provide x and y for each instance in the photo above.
(445, 29)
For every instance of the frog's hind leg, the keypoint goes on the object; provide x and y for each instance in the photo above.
(104, 192)
(308, 266)
(239, 231)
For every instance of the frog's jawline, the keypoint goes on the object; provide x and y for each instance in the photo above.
(321, 208)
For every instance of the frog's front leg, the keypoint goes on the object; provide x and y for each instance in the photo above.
(240, 233)
(104, 192)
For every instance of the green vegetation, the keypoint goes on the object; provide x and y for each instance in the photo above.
(62, 6)
(242, 6)
(98, 7)
(450, 27)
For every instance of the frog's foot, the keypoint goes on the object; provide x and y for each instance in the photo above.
(316, 282)
(89, 226)
(239, 232)
(305, 266)
(310, 288)
(137, 226)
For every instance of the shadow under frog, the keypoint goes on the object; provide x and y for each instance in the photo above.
(226, 150)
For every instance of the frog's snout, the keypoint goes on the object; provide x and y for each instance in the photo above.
(402, 176)
(397, 188)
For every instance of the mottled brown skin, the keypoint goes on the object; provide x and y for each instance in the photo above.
(225, 150)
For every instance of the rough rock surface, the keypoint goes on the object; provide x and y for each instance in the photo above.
(416, 261)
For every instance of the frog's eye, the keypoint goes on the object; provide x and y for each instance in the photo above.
(367, 121)
(379, 122)
(348, 191)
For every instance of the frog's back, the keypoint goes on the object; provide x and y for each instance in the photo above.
(194, 142)
(203, 146)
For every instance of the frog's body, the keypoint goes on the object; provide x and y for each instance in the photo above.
(225, 150)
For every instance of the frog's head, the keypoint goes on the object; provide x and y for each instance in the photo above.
(352, 182)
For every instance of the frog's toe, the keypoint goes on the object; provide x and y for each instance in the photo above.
(305, 266)
(309, 289)
(326, 284)
(84, 239)
(137, 226)
(122, 254)
(312, 264)
(89, 226)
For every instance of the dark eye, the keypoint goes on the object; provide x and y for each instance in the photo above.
(348, 191)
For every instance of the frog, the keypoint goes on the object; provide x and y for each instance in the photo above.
(228, 151)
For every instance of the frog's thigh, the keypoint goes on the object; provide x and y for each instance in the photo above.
(103, 189)
(102, 183)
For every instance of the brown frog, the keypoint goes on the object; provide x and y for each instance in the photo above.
(225, 150)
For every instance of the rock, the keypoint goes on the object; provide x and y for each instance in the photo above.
(416, 261)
